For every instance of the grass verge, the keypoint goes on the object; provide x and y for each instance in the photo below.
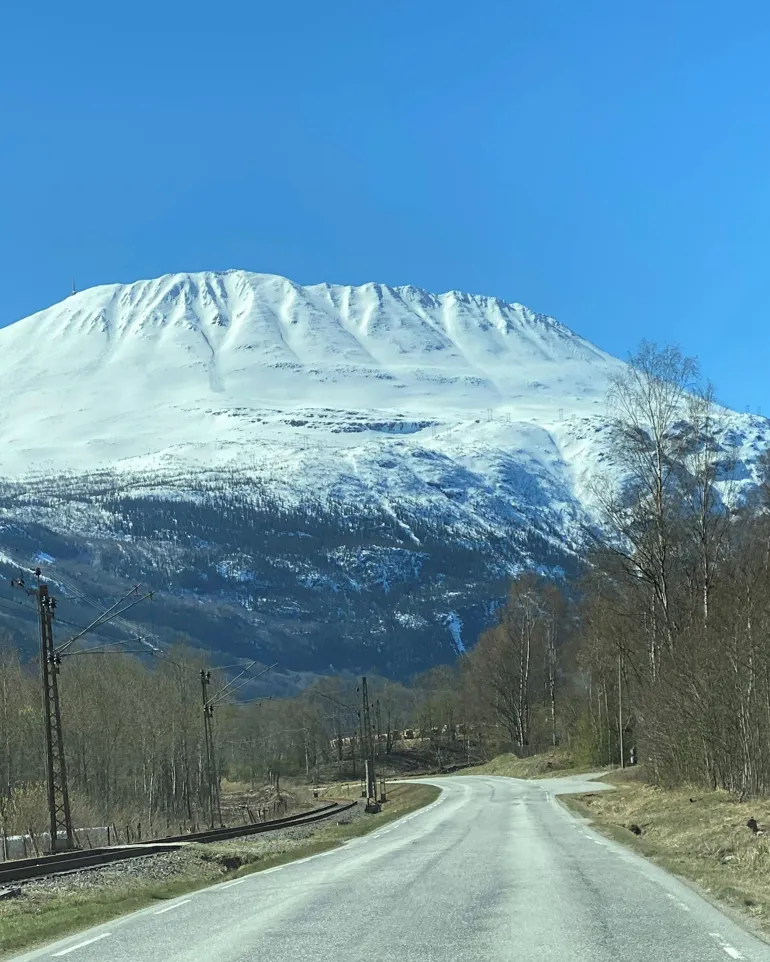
(50, 914)
(700, 836)
(551, 764)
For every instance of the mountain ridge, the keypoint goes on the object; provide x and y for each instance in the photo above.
(325, 474)
(259, 340)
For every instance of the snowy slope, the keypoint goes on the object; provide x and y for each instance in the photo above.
(132, 370)
(463, 430)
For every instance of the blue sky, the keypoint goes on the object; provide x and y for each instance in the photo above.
(604, 162)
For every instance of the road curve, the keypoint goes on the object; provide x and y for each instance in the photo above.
(495, 869)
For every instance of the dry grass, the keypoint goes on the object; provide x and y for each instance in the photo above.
(705, 840)
(551, 764)
(27, 922)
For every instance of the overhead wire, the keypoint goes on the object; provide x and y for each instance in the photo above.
(106, 615)
(118, 621)
(224, 691)
(12, 601)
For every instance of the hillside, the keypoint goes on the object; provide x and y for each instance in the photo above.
(326, 475)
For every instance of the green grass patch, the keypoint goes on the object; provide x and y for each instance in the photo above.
(700, 836)
(44, 917)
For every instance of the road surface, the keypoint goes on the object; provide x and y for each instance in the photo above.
(495, 869)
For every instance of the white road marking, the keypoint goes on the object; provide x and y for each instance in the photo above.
(725, 946)
(674, 899)
(170, 908)
(236, 881)
(81, 945)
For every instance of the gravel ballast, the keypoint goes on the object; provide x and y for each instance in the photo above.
(194, 859)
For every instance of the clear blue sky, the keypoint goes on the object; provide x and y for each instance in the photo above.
(605, 162)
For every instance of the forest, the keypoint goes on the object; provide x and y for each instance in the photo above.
(657, 651)
(238, 566)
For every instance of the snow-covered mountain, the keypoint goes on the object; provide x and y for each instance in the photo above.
(166, 366)
(421, 446)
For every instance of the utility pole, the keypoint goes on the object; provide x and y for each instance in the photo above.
(59, 813)
(368, 748)
(338, 733)
(56, 768)
(214, 800)
(620, 708)
(379, 730)
(60, 818)
(389, 735)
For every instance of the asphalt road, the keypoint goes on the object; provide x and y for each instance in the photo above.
(495, 869)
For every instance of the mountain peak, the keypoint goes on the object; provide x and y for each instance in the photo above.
(127, 369)
(403, 451)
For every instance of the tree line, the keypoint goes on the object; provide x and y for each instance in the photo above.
(660, 649)
(135, 745)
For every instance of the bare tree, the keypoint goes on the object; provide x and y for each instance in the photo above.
(648, 402)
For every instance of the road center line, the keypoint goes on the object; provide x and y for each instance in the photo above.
(176, 905)
(80, 945)
(674, 899)
(725, 946)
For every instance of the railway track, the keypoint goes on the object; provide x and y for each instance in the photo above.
(24, 869)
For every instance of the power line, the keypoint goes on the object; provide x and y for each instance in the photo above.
(17, 604)
(322, 694)
(224, 691)
(103, 616)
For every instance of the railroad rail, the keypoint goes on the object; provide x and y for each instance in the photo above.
(24, 869)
